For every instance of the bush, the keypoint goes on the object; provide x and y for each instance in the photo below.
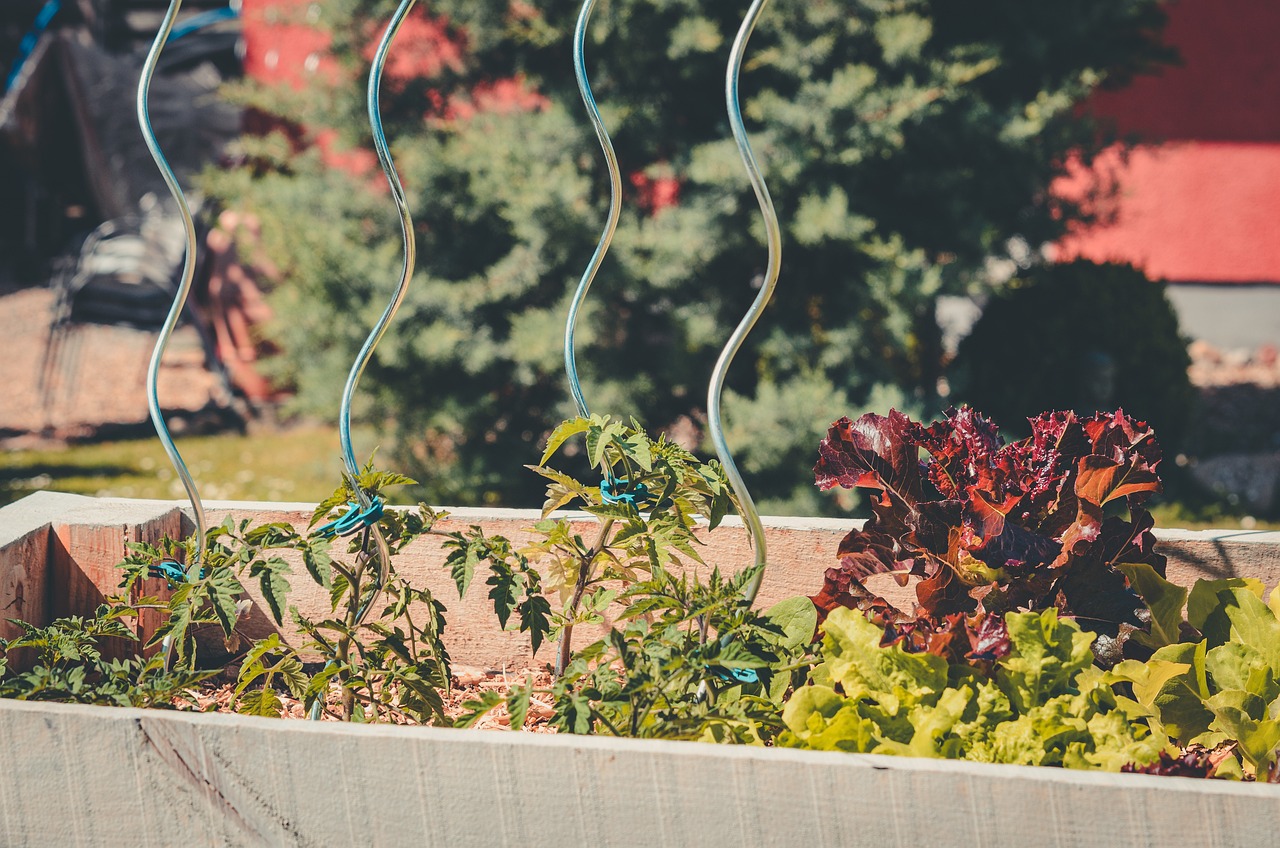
(1082, 336)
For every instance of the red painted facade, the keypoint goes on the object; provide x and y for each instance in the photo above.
(1201, 201)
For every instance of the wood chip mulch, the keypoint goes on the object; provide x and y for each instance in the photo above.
(467, 684)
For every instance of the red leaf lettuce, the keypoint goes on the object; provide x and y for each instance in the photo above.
(990, 527)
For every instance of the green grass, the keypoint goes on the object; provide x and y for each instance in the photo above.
(295, 464)
(1178, 515)
(301, 463)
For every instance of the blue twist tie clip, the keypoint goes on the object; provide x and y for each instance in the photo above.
(615, 490)
(169, 570)
(351, 520)
(172, 571)
(739, 675)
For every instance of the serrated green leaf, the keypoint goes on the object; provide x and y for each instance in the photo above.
(475, 709)
(315, 556)
(720, 506)
(338, 590)
(260, 648)
(616, 511)
(518, 703)
(260, 702)
(638, 449)
(319, 684)
(562, 433)
(535, 618)
(272, 579)
(290, 670)
(599, 437)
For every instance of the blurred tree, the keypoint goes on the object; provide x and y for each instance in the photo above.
(905, 142)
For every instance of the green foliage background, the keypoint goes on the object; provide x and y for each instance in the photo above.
(905, 142)
(1082, 336)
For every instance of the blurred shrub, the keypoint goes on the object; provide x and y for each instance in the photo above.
(1080, 335)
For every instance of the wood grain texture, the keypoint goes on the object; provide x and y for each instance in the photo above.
(90, 534)
(86, 546)
(23, 570)
(89, 776)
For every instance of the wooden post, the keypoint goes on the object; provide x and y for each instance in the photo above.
(86, 548)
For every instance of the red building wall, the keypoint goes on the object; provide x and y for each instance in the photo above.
(1200, 202)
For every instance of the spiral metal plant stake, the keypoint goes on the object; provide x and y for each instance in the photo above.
(602, 247)
(179, 301)
(366, 507)
(773, 236)
(615, 205)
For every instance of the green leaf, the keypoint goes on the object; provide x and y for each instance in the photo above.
(535, 617)
(259, 649)
(1208, 603)
(1164, 599)
(518, 703)
(475, 709)
(504, 586)
(574, 713)
(464, 556)
(338, 590)
(322, 510)
(224, 593)
(1240, 666)
(271, 574)
(1254, 624)
(615, 511)
(1047, 653)
(1239, 715)
(1149, 678)
(260, 702)
(1180, 702)
(798, 619)
(854, 658)
(319, 685)
(290, 669)
(315, 556)
(823, 720)
(720, 506)
(599, 437)
(562, 433)
(637, 447)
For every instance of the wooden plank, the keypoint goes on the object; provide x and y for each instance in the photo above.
(86, 548)
(23, 564)
(800, 550)
(190, 778)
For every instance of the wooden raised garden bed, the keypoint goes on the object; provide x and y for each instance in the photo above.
(85, 775)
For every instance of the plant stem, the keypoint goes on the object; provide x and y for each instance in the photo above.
(579, 587)
(344, 641)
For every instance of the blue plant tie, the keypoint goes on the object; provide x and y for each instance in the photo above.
(169, 570)
(351, 520)
(172, 571)
(617, 490)
(740, 675)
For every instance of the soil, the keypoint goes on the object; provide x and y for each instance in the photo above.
(467, 684)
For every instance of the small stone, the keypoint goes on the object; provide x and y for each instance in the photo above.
(468, 675)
